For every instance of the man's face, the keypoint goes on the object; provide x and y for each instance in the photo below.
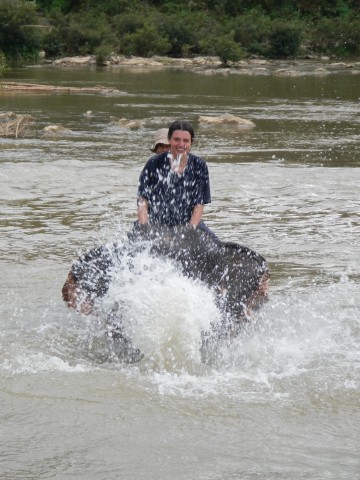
(180, 142)
(161, 148)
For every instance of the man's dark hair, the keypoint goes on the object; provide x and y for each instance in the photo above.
(180, 125)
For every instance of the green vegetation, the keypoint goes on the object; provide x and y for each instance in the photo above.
(227, 28)
(2, 64)
(19, 39)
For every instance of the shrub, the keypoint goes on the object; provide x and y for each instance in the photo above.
(52, 5)
(252, 32)
(284, 40)
(102, 53)
(180, 34)
(128, 23)
(53, 44)
(259, 34)
(19, 40)
(111, 7)
(227, 49)
(188, 32)
(3, 65)
(145, 42)
(79, 34)
(335, 35)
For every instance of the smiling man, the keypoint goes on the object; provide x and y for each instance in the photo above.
(174, 186)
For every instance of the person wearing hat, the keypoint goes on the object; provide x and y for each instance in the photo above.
(161, 141)
(174, 186)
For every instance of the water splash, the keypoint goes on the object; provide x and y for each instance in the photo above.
(164, 311)
(304, 343)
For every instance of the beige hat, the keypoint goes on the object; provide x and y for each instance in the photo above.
(161, 136)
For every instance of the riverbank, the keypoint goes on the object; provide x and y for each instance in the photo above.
(212, 65)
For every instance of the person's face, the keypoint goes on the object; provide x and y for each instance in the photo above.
(180, 142)
(161, 148)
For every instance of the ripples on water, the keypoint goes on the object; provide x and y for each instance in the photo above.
(282, 401)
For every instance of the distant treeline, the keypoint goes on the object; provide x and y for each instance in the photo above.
(230, 29)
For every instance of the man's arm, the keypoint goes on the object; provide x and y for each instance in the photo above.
(143, 216)
(196, 215)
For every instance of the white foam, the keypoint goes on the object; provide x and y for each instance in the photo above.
(295, 342)
(26, 362)
(164, 312)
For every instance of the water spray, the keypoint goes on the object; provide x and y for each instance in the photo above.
(175, 161)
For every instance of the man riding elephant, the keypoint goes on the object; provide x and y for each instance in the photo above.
(173, 189)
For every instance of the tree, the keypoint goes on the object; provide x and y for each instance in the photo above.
(2, 63)
(227, 49)
(18, 37)
(145, 42)
(285, 41)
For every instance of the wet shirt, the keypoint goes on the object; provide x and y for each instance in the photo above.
(172, 197)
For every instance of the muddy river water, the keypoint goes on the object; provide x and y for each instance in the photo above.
(283, 400)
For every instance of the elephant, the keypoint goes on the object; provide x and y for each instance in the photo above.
(237, 275)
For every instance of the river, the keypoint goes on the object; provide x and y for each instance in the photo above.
(283, 400)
